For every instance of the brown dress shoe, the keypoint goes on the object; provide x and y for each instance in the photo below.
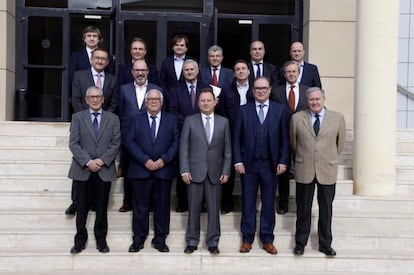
(270, 248)
(245, 248)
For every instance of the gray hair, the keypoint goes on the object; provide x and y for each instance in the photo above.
(191, 61)
(94, 88)
(154, 90)
(215, 48)
(314, 89)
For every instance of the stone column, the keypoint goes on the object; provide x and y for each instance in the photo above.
(375, 97)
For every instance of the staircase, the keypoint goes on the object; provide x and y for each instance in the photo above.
(372, 235)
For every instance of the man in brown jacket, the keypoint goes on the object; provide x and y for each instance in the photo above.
(317, 137)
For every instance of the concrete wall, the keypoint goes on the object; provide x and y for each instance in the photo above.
(329, 38)
(7, 58)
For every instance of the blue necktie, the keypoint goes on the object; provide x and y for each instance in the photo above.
(192, 95)
(153, 127)
(316, 124)
(258, 73)
(261, 114)
(96, 124)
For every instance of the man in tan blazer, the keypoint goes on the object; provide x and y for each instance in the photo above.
(317, 137)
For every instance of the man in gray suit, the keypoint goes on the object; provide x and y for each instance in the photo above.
(317, 137)
(95, 76)
(205, 162)
(95, 137)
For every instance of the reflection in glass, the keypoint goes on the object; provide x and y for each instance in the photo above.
(163, 5)
(45, 40)
(44, 87)
(268, 7)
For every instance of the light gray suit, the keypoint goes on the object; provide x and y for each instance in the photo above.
(93, 187)
(84, 146)
(206, 163)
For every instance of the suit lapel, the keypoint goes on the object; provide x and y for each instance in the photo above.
(202, 129)
(103, 124)
(308, 122)
(88, 123)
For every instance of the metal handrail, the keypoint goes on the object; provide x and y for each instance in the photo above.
(405, 91)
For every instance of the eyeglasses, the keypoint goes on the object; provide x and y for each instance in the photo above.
(153, 99)
(260, 89)
(94, 97)
(139, 70)
(100, 58)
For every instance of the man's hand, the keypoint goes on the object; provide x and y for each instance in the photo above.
(151, 165)
(224, 179)
(240, 168)
(186, 177)
(280, 169)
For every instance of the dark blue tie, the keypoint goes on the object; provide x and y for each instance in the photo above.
(96, 124)
(258, 73)
(153, 127)
(316, 124)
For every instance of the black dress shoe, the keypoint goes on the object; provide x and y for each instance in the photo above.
(181, 209)
(161, 247)
(76, 250)
(133, 248)
(330, 252)
(71, 210)
(298, 250)
(214, 250)
(103, 249)
(125, 208)
(190, 249)
(282, 210)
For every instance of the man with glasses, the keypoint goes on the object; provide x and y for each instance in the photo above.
(152, 142)
(95, 138)
(82, 80)
(131, 102)
(260, 153)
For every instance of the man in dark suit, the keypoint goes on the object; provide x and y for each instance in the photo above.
(184, 103)
(81, 60)
(138, 51)
(95, 138)
(131, 102)
(293, 95)
(309, 74)
(258, 67)
(240, 93)
(260, 152)
(172, 67)
(216, 74)
(82, 80)
(317, 137)
(205, 161)
(95, 76)
(152, 142)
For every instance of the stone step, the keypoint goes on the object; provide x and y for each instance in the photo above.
(201, 260)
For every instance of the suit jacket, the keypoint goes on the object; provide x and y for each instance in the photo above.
(244, 134)
(125, 75)
(79, 60)
(225, 76)
(317, 155)
(180, 101)
(82, 80)
(128, 106)
(141, 147)
(310, 75)
(200, 158)
(235, 110)
(279, 95)
(269, 70)
(168, 78)
(85, 146)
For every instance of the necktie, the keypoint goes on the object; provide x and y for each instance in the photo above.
(99, 81)
(258, 73)
(153, 127)
(291, 99)
(214, 80)
(261, 113)
(95, 124)
(207, 128)
(316, 124)
(192, 95)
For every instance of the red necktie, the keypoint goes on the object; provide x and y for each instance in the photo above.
(291, 99)
(214, 81)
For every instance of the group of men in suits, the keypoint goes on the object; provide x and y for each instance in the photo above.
(255, 100)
